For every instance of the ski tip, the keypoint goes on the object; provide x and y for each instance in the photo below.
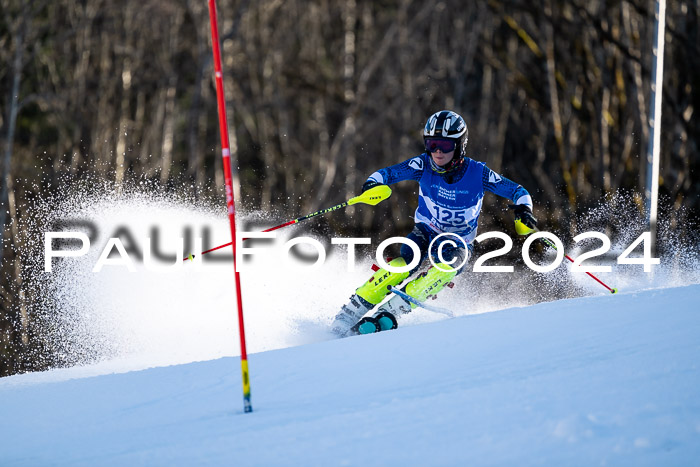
(613, 290)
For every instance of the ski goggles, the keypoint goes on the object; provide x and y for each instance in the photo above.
(444, 145)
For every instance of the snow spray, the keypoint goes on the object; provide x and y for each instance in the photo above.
(163, 317)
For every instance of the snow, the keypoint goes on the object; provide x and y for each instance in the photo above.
(598, 380)
(152, 375)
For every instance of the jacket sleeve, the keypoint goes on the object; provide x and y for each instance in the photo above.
(501, 186)
(412, 169)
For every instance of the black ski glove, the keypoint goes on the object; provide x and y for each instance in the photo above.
(524, 213)
(370, 184)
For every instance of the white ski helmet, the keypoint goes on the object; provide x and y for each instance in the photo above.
(447, 124)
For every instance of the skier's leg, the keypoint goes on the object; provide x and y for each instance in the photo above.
(431, 282)
(396, 305)
(421, 236)
(367, 296)
(441, 274)
(376, 288)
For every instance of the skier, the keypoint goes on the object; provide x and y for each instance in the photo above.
(450, 196)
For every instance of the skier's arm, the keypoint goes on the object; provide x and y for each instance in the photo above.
(501, 186)
(411, 169)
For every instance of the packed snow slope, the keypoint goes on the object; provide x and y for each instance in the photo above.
(604, 380)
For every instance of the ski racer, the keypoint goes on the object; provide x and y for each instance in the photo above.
(450, 197)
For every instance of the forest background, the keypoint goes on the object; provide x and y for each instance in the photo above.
(322, 93)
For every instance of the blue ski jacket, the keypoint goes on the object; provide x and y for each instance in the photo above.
(451, 202)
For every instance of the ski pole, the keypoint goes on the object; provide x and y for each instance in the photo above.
(408, 298)
(373, 196)
(523, 228)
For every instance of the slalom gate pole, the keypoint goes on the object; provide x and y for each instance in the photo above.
(372, 196)
(547, 242)
(226, 155)
(527, 230)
